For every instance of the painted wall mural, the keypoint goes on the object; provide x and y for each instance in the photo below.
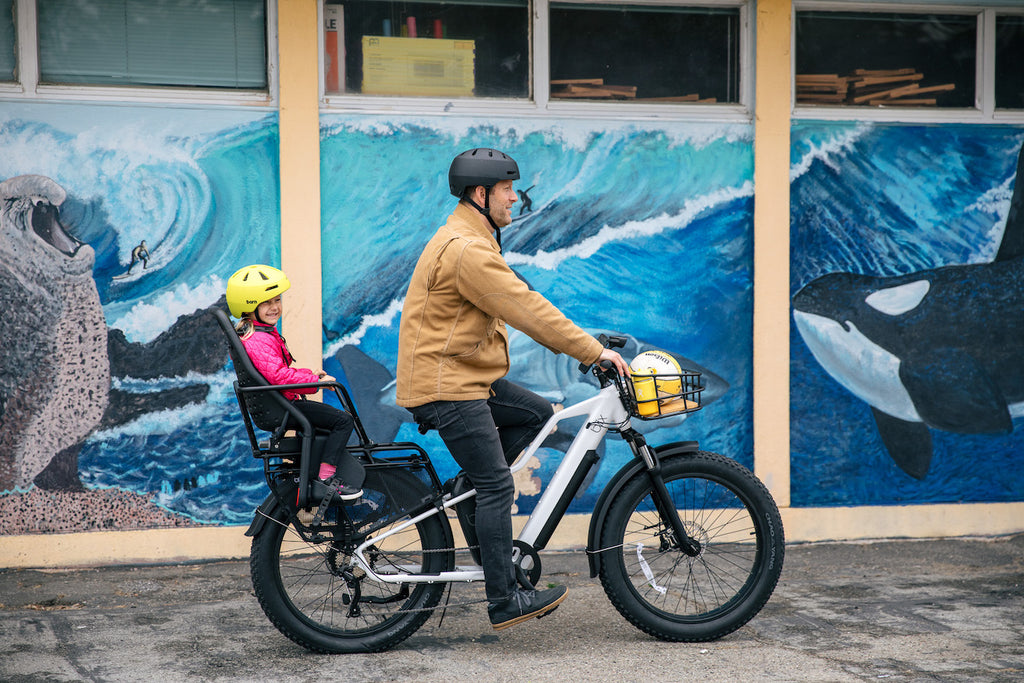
(117, 227)
(644, 230)
(634, 229)
(120, 225)
(908, 335)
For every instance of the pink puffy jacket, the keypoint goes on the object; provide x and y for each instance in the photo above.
(270, 355)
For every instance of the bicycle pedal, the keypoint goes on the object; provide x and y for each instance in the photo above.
(541, 616)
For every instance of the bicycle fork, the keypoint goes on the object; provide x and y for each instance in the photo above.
(659, 492)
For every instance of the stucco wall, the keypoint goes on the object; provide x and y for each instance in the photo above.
(688, 235)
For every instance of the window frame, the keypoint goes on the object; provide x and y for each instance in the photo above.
(984, 110)
(540, 103)
(27, 85)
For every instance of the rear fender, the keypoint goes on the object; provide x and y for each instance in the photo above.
(266, 510)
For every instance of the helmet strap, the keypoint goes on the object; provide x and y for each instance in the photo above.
(485, 210)
(256, 315)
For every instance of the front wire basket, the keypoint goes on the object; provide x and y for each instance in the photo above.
(654, 396)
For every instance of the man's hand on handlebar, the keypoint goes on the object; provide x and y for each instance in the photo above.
(613, 357)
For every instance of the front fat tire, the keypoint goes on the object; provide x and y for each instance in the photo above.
(300, 591)
(671, 596)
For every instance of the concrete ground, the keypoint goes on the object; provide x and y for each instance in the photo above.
(944, 610)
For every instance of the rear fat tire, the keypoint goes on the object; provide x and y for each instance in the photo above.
(674, 597)
(301, 590)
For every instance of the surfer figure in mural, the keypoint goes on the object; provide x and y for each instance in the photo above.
(139, 253)
(527, 203)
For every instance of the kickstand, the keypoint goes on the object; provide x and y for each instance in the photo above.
(444, 610)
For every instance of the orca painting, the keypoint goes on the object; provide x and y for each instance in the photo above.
(934, 349)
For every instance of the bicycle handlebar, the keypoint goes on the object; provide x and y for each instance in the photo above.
(613, 342)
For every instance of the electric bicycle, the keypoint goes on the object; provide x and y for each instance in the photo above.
(688, 544)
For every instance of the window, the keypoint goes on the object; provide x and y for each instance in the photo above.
(537, 52)
(185, 43)
(440, 49)
(879, 59)
(8, 44)
(644, 53)
(1009, 51)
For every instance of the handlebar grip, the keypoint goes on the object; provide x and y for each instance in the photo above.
(604, 365)
(613, 342)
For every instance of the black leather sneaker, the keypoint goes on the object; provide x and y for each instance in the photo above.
(523, 605)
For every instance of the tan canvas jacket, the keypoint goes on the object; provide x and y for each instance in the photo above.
(452, 339)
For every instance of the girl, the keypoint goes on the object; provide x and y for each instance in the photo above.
(254, 296)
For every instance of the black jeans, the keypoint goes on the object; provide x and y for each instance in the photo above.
(484, 436)
(340, 424)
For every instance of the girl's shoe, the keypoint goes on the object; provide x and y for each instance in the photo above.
(330, 491)
(336, 487)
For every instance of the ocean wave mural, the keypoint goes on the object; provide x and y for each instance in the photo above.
(644, 230)
(641, 230)
(199, 188)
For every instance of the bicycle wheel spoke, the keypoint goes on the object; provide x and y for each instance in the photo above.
(317, 595)
(689, 595)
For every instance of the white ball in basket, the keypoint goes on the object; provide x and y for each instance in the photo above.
(659, 363)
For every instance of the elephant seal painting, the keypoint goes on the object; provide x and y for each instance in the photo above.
(55, 374)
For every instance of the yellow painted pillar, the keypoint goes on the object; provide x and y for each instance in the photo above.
(298, 96)
(772, 110)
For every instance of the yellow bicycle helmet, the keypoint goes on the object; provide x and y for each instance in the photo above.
(252, 285)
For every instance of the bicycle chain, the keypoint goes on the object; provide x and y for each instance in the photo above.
(444, 607)
(468, 602)
(323, 555)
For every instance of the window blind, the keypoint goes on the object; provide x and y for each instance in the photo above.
(8, 44)
(188, 43)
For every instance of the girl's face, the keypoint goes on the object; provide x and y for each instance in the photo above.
(270, 311)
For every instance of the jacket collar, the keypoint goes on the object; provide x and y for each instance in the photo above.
(473, 222)
(261, 326)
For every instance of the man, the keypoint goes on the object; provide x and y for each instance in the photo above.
(139, 253)
(453, 356)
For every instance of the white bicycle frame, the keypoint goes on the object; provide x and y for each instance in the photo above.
(601, 410)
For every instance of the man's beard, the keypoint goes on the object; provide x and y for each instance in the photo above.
(501, 217)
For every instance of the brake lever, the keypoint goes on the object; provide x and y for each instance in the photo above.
(616, 342)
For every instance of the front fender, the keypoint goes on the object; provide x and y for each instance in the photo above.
(615, 485)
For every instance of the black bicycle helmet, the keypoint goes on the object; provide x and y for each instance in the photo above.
(481, 166)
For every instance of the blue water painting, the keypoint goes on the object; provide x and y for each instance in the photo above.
(890, 200)
(646, 231)
(201, 188)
